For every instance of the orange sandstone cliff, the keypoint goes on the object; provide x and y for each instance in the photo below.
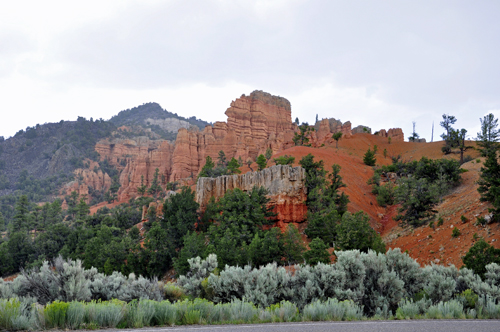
(255, 123)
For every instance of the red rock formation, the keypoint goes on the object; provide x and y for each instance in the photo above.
(325, 129)
(85, 178)
(285, 185)
(255, 123)
(396, 134)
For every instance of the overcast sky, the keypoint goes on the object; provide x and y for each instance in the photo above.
(379, 63)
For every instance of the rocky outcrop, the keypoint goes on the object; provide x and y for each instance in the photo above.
(255, 123)
(169, 124)
(361, 130)
(396, 134)
(325, 128)
(285, 185)
(87, 178)
(136, 158)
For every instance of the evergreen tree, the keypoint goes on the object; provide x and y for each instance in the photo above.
(180, 215)
(301, 137)
(284, 160)
(449, 136)
(158, 251)
(318, 253)
(480, 255)
(142, 188)
(82, 209)
(249, 164)
(297, 121)
(369, 158)
(489, 182)
(221, 161)
(72, 201)
(194, 246)
(354, 232)
(21, 218)
(261, 162)
(266, 249)
(269, 154)
(293, 247)
(315, 172)
(2, 222)
(208, 168)
(489, 135)
(20, 248)
(233, 166)
(155, 188)
(336, 137)
(243, 213)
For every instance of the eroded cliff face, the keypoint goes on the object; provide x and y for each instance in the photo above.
(285, 185)
(255, 123)
(396, 134)
(141, 156)
(86, 178)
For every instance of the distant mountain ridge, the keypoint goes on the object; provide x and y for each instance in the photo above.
(159, 120)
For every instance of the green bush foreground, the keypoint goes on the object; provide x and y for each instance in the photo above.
(21, 315)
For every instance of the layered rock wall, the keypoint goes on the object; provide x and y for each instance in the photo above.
(396, 134)
(325, 129)
(285, 185)
(255, 123)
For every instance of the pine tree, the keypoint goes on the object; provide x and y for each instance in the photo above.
(336, 137)
(221, 161)
(155, 188)
(301, 137)
(21, 217)
(2, 222)
(369, 158)
(180, 215)
(261, 162)
(208, 168)
(489, 135)
(269, 154)
(318, 253)
(233, 166)
(142, 188)
(293, 248)
(489, 182)
(449, 136)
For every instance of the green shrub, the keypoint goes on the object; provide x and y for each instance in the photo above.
(173, 293)
(446, 310)
(165, 313)
(385, 195)
(468, 298)
(283, 312)
(408, 309)
(455, 232)
(332, 309)
(55, 314)
(463, 219)
(75, 315)
(140, 313)
(440, 221)
(9, 309)
(369, 158)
